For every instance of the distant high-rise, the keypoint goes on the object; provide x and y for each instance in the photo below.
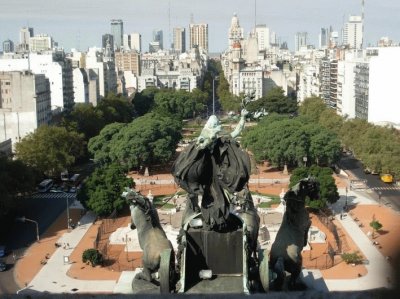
(353, 32)
(8, 46)
(136, 41)
(158, 37)
(262, 34)
(107, 38)
(180, 39)
(300, 40)
(198, 36)
(24, 35)
(324, 36)
(40, 42)
(117, 30)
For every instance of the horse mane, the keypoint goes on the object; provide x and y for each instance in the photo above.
(148, 209)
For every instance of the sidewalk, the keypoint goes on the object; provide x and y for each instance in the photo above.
(53, 277)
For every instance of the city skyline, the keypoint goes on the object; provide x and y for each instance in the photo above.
(81, 24)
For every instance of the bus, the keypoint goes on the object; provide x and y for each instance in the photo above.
(45, 185)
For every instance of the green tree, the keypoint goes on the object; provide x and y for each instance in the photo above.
(143, 101)
(328, 188)
(274, 102)
(85, 119)
(100, 146)
(180, 104)
(102, 190)
(228, 101)
(50, 149)
(376, 226)
(148, 140)
(312, 108)
(116, 108)
(286, 141)
(92, 256)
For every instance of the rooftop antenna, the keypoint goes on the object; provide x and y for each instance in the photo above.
(169, 23)
(362, 20)
(255, 15)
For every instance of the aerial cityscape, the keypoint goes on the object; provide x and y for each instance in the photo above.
(199, 147)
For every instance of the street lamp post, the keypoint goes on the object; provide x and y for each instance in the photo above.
(24, 219)
(346, 199)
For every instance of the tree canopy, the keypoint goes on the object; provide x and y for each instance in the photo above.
(274, 102)
(229, 101)
(285, 140)
(148, 140)
(102, 190)
(180, 103)
(50, 149)
(143, 101)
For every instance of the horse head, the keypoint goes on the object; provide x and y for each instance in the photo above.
(141, 207)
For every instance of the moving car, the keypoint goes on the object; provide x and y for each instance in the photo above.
(387, 178)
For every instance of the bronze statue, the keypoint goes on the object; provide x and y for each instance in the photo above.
(292, 235)
(157, 249)
(213, 168)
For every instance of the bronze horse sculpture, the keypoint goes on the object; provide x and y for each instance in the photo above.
(158, 254)
(292, 235)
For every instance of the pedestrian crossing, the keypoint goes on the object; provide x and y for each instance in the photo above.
(386, 188)
(53, 195)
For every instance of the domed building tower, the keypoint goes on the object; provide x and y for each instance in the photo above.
(235, 31)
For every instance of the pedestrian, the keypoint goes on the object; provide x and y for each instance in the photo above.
(14, 256)
(341, 216)
(68, 245)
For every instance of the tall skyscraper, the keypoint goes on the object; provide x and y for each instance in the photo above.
(8, 46)
(180, 39)
(136, 41)
(117, 30)
(300, 40)
(262, 34)
(24, 35)
(324, 36)
(107, 38)
(198, 36)
(158, 37)
(353, 32)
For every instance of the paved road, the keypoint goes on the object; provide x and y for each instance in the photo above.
(41, 207)
(389, 193)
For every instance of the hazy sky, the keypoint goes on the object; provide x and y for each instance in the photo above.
(81, 23)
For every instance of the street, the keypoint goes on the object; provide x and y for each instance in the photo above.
(41, 207)
(387, 194)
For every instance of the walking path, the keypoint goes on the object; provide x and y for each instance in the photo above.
(53, 278)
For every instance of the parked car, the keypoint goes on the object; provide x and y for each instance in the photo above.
(72, 190)
(2, 250)
(3, 266)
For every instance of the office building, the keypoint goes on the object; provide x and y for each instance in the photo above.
(262, 34)
(24, 35)
(353, 33)
(235, 33)
(8, 46)
(40, 42)
(128, 61)
(132, 41)
(300, 41)
(117, 30)
(158, 37)
(198, 36)
(323, 38)
(179, 36)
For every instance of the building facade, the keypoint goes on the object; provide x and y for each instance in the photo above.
(198, 36)
(24, 35)
(117, 30)
(300, 40)
(353, 33)
(262, 33)
(8, 46)
(25, 104)
(40, 42)
(179, 36)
